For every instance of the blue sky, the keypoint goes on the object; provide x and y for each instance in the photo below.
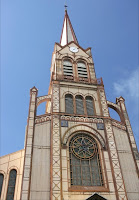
(29, 30)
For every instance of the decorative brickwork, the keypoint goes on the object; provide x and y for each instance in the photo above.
(115, 162)
(56, 166)
(103, 103)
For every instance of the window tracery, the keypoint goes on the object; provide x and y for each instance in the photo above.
(85, 168)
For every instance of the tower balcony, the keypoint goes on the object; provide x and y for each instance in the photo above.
(62, 77)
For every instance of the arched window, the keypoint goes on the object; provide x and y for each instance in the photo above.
(11, 185)
(82, 71)
(90, 105)
(1, 182)
(85, 169)
(67, 68)
(79, 105)
(69, 103)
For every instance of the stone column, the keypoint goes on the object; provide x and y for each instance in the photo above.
(55, 146)
(29, 145)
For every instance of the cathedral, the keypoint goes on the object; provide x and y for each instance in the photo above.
(75, 150)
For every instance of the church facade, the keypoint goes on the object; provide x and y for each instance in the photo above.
(75, 151)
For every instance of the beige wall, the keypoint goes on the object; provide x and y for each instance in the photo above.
(7, 163)
(40, 174)
(127, 164)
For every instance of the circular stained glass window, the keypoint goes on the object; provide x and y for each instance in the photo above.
(83, 146)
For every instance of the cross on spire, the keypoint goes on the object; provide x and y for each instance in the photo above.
(67, 34)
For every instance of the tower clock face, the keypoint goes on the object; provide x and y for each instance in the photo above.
(74, 49)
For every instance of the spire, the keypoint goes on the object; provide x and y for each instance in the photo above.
(67, 34)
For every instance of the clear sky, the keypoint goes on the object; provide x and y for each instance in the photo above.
(29, 29)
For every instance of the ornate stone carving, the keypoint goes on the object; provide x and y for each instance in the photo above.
(82, 119)
(42, 119)
(103, 103)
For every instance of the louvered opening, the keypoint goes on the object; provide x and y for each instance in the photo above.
(69, 103)
(67, 68)
(82, 71)
(89, 106)
(79, 105)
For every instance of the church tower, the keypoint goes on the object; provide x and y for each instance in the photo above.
(75, 150)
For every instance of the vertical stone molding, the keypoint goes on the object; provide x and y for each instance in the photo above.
(115, 162)
(105, 111)
(55, 148)
(56, 166)
(29, 145)
(55, 98)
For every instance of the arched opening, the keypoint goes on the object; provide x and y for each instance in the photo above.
(69, 108)
(90, 105)
(82, 71)
(114, 114)
(11, 185)
(67, 68)
(79, 105)
(41, 109)
(85, 168)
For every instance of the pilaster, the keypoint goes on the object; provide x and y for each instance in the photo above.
(55, 147)
(29, 145)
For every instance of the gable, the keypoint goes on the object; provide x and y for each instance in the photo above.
(96, 197)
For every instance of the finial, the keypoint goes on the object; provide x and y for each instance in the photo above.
(65, 6)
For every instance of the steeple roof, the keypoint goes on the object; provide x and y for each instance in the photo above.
(67, 34)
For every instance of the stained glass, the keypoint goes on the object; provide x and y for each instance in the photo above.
(84, 161)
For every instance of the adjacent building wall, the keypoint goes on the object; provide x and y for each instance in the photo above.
(7, 163)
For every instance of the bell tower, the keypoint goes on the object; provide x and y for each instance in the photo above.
(75, 150)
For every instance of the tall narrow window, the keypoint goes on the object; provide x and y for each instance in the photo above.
(79, 105)
(67, 68)
(1, 182)
(82, 71)
(11, 185)
(85, 169)
(69, 103)
(89, 105)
